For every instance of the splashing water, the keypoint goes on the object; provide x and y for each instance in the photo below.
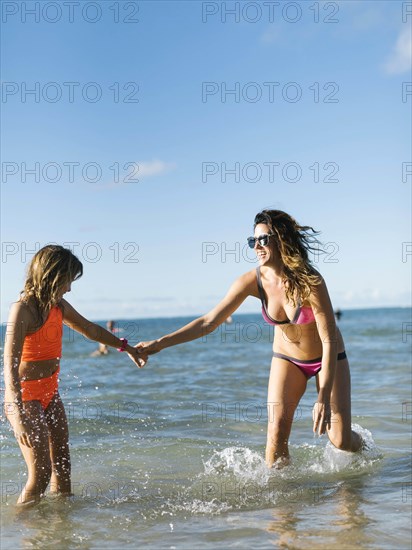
(242, 462)
(237, 477)
(334, 460)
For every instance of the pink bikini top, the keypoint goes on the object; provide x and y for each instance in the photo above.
(303, 315)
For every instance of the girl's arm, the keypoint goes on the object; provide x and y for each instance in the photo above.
(326, 326)
(17, 327)
(77, 322)
(238, 292)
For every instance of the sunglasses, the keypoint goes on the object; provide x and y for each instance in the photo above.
(263, 240)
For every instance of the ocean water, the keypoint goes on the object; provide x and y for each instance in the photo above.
(171, 456)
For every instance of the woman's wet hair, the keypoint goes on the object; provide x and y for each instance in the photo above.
(51, 269)
(294, 242)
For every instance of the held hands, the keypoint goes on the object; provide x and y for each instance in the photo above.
(139, 353)
(148, 348)
(321, 415)
(139, 357)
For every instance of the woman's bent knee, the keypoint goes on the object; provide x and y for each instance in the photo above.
(341, 444)
(346, 442)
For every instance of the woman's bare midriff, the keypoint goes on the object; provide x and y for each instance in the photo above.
(34, 370)
(301, 341)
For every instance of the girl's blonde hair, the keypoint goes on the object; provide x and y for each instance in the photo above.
(50, 269)
(294, 242)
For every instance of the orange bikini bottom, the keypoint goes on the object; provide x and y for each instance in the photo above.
(42, 390)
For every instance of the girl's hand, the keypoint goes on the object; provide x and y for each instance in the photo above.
(321, 415)
(137, 356)
(24, 432)
(149, 348)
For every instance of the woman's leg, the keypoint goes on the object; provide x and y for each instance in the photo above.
(340, 432)
(37, 457)
(59, 447)
(287, 384)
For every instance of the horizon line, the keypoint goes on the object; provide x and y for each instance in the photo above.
(194, 316)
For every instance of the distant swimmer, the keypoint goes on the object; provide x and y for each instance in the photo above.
(32, 353)
(307, 342)
(103, 349)
(338, 314)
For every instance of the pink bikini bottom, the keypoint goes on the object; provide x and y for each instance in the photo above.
(309, 368)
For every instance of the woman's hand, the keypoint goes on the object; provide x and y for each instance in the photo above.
(149, 348)
(321, 415)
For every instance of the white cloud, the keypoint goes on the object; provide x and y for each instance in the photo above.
(399, 61)
(137, 171)
(153, 168)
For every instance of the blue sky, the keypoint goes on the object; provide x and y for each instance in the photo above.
(313, 102)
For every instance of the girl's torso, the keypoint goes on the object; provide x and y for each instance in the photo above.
(42, 347)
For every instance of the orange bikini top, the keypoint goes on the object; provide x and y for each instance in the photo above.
(45, 343)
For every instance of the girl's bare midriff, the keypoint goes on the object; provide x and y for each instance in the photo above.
(35, 370)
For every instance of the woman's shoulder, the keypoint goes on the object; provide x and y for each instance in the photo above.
(249, 277)
(246, 283)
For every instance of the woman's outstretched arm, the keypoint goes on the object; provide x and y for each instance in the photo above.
(237, 294)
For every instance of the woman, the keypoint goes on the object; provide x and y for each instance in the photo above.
(307, 342)
(31, 367)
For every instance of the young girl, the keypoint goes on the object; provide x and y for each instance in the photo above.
(307, 342)
(33, 348)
